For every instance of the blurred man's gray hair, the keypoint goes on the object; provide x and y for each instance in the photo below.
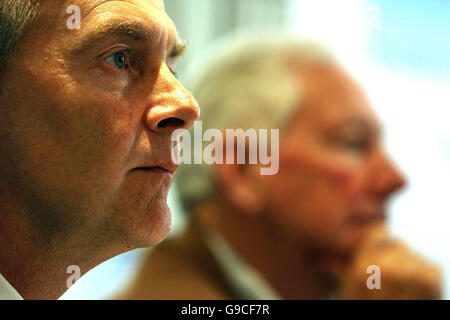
(244, 81)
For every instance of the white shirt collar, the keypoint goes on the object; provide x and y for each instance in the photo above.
(7, 291)
(243, 278)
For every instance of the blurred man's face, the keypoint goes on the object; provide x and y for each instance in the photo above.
(86, 121)
(334, 177)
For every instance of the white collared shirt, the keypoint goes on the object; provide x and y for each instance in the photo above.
(7, 291)
(247, 282)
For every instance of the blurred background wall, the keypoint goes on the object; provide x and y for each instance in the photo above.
(399, 51)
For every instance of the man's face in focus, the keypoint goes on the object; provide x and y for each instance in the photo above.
(86, 121)
(334, 176)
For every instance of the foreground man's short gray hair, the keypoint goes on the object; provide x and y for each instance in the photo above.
(245, 82)
(16, 16)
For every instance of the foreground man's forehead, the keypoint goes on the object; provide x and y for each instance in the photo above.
(90, 4)
(143, 7)
(103, 19)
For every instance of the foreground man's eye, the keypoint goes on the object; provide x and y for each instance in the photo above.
(118, 60)
(175, 74)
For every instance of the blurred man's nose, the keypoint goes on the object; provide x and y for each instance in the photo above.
(386, 178)
(173, 107)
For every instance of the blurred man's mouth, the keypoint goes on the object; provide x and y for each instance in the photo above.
(368, 217)
(331, 261)
(359, 222)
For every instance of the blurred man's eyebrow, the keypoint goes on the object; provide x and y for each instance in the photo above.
(354, 123)
(360, 124)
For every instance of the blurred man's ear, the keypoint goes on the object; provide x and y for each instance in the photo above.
(238, 184)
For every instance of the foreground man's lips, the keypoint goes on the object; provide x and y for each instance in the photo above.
(165, 167)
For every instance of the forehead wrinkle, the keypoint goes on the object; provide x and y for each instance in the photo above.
(89, 5)
(159, 5)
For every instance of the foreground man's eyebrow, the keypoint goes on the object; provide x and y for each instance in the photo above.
(178, 49)
(128, 29)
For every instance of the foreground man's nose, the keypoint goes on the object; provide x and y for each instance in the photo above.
(174, 108)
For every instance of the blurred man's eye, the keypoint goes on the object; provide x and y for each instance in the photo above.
(352, 144)
(118, 60)
(357, 144)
